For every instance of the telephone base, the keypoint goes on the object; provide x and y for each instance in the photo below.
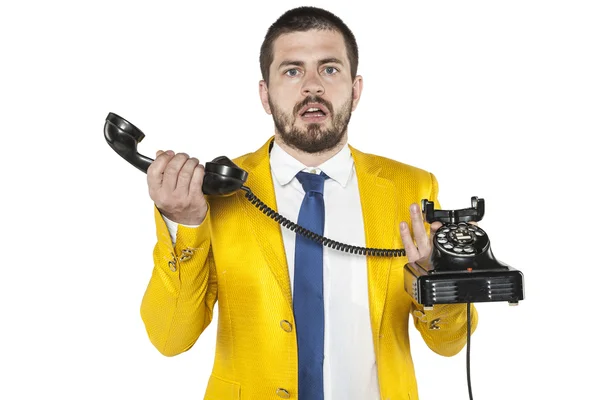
(450, 287)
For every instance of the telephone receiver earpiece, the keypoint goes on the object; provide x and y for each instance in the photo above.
(221, 176)
(124, 137)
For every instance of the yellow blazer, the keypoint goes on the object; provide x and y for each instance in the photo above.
(237, 256)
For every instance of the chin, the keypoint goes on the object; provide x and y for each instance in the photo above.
(315, 140)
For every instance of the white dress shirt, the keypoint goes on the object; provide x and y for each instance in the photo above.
(349, 369)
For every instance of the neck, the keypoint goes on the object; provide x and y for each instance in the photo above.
(311, 159)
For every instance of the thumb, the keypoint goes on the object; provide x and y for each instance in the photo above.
(434, 227)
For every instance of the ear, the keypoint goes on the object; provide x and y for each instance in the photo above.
(357, 87)
(263, 92)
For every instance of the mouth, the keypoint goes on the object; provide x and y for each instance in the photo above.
(313, 113)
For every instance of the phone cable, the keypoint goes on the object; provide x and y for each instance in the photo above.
(469, 350)
(280, 219)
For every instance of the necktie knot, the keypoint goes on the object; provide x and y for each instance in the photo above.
(312, 182)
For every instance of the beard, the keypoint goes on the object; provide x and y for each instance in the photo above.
(315, 138)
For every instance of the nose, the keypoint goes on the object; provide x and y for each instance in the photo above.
(312, 85)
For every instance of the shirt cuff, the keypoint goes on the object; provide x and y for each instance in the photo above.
(172, 227)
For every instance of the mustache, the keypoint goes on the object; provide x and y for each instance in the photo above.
(313, 99)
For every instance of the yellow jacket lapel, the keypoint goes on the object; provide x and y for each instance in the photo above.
(266, 232)
(379, 215)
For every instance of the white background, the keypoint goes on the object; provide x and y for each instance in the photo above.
(500, 99)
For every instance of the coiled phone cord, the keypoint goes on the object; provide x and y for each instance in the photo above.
(280, 219)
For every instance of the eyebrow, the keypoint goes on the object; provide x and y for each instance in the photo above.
(286, 63)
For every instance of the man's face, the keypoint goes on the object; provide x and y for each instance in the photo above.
(310, 92)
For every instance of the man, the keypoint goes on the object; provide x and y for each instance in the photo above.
(297, 319)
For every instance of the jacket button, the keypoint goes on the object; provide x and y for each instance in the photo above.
(286, 325)
(172, 266)
(284, 394)
(434, 324)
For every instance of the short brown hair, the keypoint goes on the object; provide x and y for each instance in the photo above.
(303, 19)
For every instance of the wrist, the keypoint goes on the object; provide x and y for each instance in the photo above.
(189, 219)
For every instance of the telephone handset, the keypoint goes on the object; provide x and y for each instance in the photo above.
(460, 269)
(221, 177)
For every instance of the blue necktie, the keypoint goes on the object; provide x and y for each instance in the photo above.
(308, 289)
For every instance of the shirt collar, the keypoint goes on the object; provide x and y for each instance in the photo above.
(284, 167)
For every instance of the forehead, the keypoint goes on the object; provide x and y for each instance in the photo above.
(313, 44)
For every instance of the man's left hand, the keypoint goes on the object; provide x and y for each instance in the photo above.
(421, 245)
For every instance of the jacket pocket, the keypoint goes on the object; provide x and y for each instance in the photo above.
(222, 389)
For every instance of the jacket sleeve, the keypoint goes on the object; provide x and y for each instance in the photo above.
(179, 300)
(444, 328)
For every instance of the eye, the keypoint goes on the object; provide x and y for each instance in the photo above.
(292, 72)
(330, 70)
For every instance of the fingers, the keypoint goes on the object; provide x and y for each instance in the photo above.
(175, 183)
(174, 172)
(196, 182)
(411, 250)
(171, 172)
(185, 175)
(421, 245)
(418, 227)
(157, 168)
(434, 227)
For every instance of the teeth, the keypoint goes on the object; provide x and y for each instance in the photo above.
(313, 109)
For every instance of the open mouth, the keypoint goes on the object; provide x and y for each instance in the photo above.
(313, 112)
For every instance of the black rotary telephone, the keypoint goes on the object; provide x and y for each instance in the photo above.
(461, 268)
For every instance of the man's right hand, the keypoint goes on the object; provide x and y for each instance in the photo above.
(175, 186)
